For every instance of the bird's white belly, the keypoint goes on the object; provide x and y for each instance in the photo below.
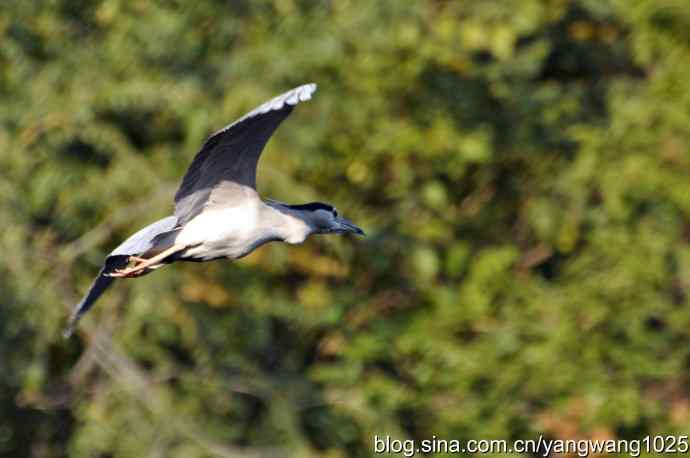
(230, 233)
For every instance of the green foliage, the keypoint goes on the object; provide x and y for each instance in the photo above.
(521, 168)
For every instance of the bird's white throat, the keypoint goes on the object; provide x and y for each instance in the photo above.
(285, 224)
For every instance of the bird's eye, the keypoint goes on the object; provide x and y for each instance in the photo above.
(335, 212)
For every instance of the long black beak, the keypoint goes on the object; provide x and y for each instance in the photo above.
(345, 225)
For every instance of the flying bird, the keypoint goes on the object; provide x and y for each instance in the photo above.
(218, 212)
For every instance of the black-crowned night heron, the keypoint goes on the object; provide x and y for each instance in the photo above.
(218, 213)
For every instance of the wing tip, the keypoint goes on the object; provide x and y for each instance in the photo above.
(73, 321)
(303, 93)
(286, 99)
(292, 97)
(69, 330)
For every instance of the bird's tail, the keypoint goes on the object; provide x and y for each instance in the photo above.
(98, 287)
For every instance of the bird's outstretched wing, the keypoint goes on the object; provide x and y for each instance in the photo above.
(136, 245)
(225, 167)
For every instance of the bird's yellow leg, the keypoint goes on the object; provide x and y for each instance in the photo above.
(147, 263)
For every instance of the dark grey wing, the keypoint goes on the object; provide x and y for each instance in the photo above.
(226, 164)
(137, 244)
(98, 287)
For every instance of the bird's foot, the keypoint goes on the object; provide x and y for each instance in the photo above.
(144, 265)
(130, 272)
(141, 266)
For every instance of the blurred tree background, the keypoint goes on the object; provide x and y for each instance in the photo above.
(521, 168)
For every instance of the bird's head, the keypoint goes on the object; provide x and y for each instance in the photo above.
(324, 219)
